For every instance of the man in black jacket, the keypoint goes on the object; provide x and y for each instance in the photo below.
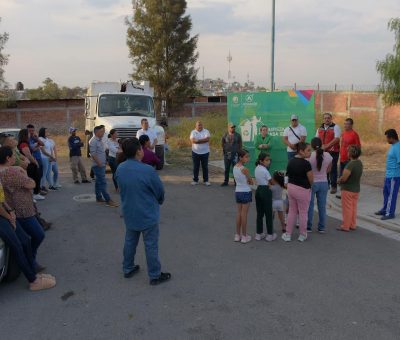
(231, 144)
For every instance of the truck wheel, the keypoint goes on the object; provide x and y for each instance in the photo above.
(160, 155)
(88, 138)
(13, 270)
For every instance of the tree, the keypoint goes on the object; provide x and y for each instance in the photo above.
(389, 68)
(51, 90)
(3, 57)
(161, 48)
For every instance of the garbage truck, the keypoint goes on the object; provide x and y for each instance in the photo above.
(122, 106)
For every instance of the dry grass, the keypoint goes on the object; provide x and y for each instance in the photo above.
(62, 143)
(214, 122)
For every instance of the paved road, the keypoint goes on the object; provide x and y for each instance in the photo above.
(334, 286)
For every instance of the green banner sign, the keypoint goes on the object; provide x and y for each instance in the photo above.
(249, 111)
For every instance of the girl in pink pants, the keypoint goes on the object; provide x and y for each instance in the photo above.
(300, 180)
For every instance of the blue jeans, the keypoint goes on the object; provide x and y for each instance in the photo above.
(319, 189)
(229, 162)
(197, 159)
(332, 176)
(112, 162)
(291, 154)
(46, 173)
(54, 169)
(20, 246)
(101, 183)
(34, 229)
(150, 239)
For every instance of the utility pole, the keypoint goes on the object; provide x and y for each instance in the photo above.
(273, 48)
(229, 59)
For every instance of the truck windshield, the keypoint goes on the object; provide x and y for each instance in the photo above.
(125, 105)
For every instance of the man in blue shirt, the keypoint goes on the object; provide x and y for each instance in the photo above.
(142, 193)
(75, 156)
(392, 177)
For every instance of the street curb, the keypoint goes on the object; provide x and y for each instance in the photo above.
(387, 225)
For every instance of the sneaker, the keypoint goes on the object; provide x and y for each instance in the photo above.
(286, 237)
(321, 231)
(225, 184)
(53, 188)
(387, 217)
(38, 197)
(77, 182)
(112, 204)
(333, 191)
(302, 238)
(309, 230)
(164, 277)
(245, 239)
(207, 184)
(194, 183)
(100, 200)
(271, 238)
(42, 282)
(58, 186)
(237, 238)
(86, 181)
(379, 213)
(43, 192)
(259, 237)
(135, 270)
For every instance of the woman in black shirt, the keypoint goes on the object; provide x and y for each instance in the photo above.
(300, 180)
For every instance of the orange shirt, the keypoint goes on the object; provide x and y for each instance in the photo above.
(348, 138)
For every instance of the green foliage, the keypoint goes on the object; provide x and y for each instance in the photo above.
(389, 68)
(161, 48)
(3, 57)
(51, 90)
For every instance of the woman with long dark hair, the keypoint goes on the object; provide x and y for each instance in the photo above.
(33, 167)
(321, 163)
(113, 150)
(300, 180)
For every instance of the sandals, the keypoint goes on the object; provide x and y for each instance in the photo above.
(162, 278)
(42, 282)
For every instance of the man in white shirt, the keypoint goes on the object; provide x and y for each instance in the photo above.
(293, 135)
(145, 130)
(200, 151)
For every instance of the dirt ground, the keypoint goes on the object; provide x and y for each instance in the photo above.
(373, 158)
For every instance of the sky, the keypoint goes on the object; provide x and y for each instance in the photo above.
(77, 41)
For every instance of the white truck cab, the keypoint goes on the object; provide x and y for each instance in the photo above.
(122, 107)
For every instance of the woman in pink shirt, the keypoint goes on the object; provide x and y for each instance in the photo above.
(321, 164)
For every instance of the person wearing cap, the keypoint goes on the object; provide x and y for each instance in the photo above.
(75, 156)
(329, 133)
(262, 142)
(293, 135)
(231, 144)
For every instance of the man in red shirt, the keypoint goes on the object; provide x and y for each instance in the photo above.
(349, 137)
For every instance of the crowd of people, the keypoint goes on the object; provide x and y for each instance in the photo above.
(313, 170)
(29, 171)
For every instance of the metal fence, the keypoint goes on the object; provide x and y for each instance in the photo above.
(333, 87)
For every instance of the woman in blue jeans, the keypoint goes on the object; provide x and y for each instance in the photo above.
(18, 193)
(321, 163)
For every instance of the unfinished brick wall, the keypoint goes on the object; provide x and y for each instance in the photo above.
(58, 115)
